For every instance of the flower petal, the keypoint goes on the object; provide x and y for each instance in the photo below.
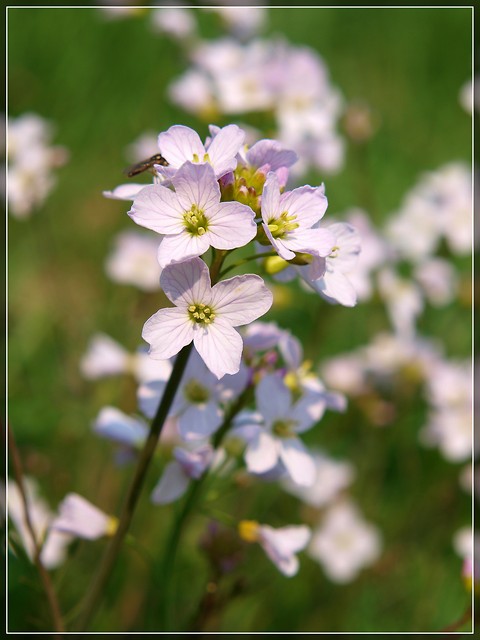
(171, 486)
(335, 286)
(307, 203)
(220, 346)
(224, 147)
(298, 461)
(181, 247)
(270, 198)
(199, 421)
(180, 144)
(262, 453)
(156, 207)
(231, 225)
(319, 242)
(196, 184)
(273, 398)
(167, 331)
(187, 282)
(241, 299)
(124, 191)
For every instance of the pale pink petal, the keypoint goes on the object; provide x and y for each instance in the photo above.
(261, 454)
(124, 191)
(270, 152)
(273, 398)
(231, 225)
(220, 346)
(156, 207)
(315, 241)
(307, 411)
(196, 184)
(187, 282)
(241, 299)
(298, 461)
(180, 144)
(338, 287)
(224, 147)
(307, 203)
(199, 421)
(270, 198)
(278, 245)
(172, 485)
(167, 331)
(180, 247)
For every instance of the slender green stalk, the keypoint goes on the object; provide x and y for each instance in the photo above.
(43, 573)
(256, 256)
(97, 587)
(179, 522)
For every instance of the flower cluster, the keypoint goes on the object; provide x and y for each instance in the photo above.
(31, 159)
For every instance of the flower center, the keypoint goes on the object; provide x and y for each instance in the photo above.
(284, 428)
(196, 393)
(195, 221)
(206, 158)
(201, 314)
(334, 252)
(249, 530)
(279, 227)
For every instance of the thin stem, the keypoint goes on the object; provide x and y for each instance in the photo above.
(192, 494)
(106, 566)
(43, 573)
(255, 256)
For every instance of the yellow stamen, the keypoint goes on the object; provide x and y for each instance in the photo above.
(249, 530)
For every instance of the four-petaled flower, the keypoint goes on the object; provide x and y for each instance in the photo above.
(205, 314)
(192, 218)
(289, 219)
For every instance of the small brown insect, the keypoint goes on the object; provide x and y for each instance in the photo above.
(146, 165)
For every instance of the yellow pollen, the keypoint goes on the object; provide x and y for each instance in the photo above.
(249, 530)
(112, 526)
(200, 313)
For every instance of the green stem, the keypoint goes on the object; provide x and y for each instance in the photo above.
(97, 587)
(255, 256)
(177, 527)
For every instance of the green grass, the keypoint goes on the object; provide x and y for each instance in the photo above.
(103, 83)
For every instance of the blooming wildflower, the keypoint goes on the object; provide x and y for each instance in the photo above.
(438, 280)
(205, 314)
(196, 406)
(192, 218)
(181, 144)
(332, 476)
(80, 518)
(344, 543)
(289, 219)
(273, 431)
(53, 543)
(177, 475)
(329, 275)
(280, 545)
(242, 23)
(175, 21)
(134, 261)
(106, 357)
(114, 424)
(403, 299)
(31, 159)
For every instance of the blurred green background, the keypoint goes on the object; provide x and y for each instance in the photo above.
(103, 83)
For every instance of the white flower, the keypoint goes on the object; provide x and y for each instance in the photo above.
(289, 219)
(403, 300)
(80, 518)
(114, 424)
(273, 431)
(205, 314)
(177, 475)
(53, 543)
(134, 261)
(197, 404)
(438, 280)
(332, 476)
(176, 21)
(344, 543)
(280, 545)
(127, 191)
(181, 144)
(192, 218)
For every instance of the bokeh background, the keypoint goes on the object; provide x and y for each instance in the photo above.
(102, 82)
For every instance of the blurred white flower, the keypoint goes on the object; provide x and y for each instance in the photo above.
(332, 476)
(31, 160)
(344, 543)
(280, 545)
(244, 21)
(80, 518)
(134, 260)
(53, 543)
(403, 300)
(438, 279)
(115, 425)
(177, 22)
